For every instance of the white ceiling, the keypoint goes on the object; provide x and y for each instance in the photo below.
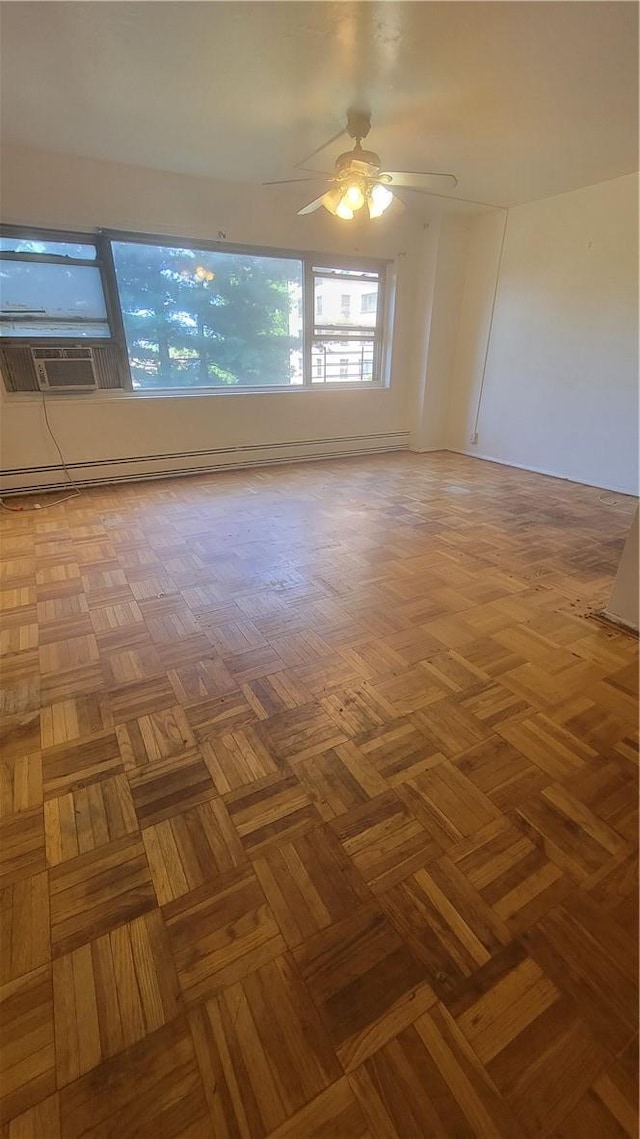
(520, 100)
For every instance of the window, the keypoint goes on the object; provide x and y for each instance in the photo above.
(346, 347)
(188, 315)
(52, 289)
(196, 318)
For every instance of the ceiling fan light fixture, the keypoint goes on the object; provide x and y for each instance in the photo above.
(353, 196)
(331, 200)
(343, 209)
(380, 198)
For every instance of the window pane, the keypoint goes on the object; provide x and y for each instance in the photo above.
(197, 319)
(342, 361)
(50, 248)
(349, 303)
(44, 299)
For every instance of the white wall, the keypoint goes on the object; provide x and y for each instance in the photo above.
(74, 193)
(444, 258)
(560, 391)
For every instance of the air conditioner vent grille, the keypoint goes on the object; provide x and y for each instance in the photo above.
(67, 369)
(18, 364)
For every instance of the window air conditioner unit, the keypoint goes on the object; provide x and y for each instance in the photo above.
(64, 369)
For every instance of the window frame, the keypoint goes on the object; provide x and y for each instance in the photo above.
(309, 260)
(102, 263)
(380, 333)
(102, 239)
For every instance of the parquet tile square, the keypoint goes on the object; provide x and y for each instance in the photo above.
(511, 874)
(594, 962)
(450, 727)
(609, 789)
(409, 690)
(337, 758)
(163, 789)
(448, 805)
(133, 961)
(237, 759)
(60, 655)
(97, 891)
(428, 1081)
(71, 682)
(220, 714)
(87, 817)
(546, 1068)
(550, 746)
(573, 837)
(447, 924)
(301, 733)
(112, 619)
(80, 716)
(128, 665)
(339, 779)
(263, 1051)
(358, 709)
(154, 737)
(27, 1054)
(152, 1088)
(385, 841)
(278, 692)
(501, 772)
(220, 933)
(201, 679)
(20, 783)
(21, 684)
(253, 664)
(189, 849)
(366, 982)
(83, 761)
(20, 735)
(497, 1013)
(335, 1112)
(271, 810)
(141, 698)
(309, 884)
(399, 750)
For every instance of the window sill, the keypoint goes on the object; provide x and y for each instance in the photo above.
(110, 394)
(283, 389)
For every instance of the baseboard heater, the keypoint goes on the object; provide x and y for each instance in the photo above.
(114, 470)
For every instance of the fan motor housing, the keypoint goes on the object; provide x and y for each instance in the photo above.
(358, 161)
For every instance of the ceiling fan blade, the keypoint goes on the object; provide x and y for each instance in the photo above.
(290, 181)
(314, 205)
(302, 164)
(451, 198)
(420, 179)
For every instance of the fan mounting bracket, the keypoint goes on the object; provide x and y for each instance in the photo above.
(358, 123)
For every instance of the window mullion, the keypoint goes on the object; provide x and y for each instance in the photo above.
(308, 322)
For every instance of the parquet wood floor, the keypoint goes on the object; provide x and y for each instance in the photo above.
(318, 809)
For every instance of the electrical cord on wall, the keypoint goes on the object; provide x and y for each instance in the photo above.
(490, 329)
(59, 501)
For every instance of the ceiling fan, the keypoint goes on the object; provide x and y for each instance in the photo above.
(358, 179)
